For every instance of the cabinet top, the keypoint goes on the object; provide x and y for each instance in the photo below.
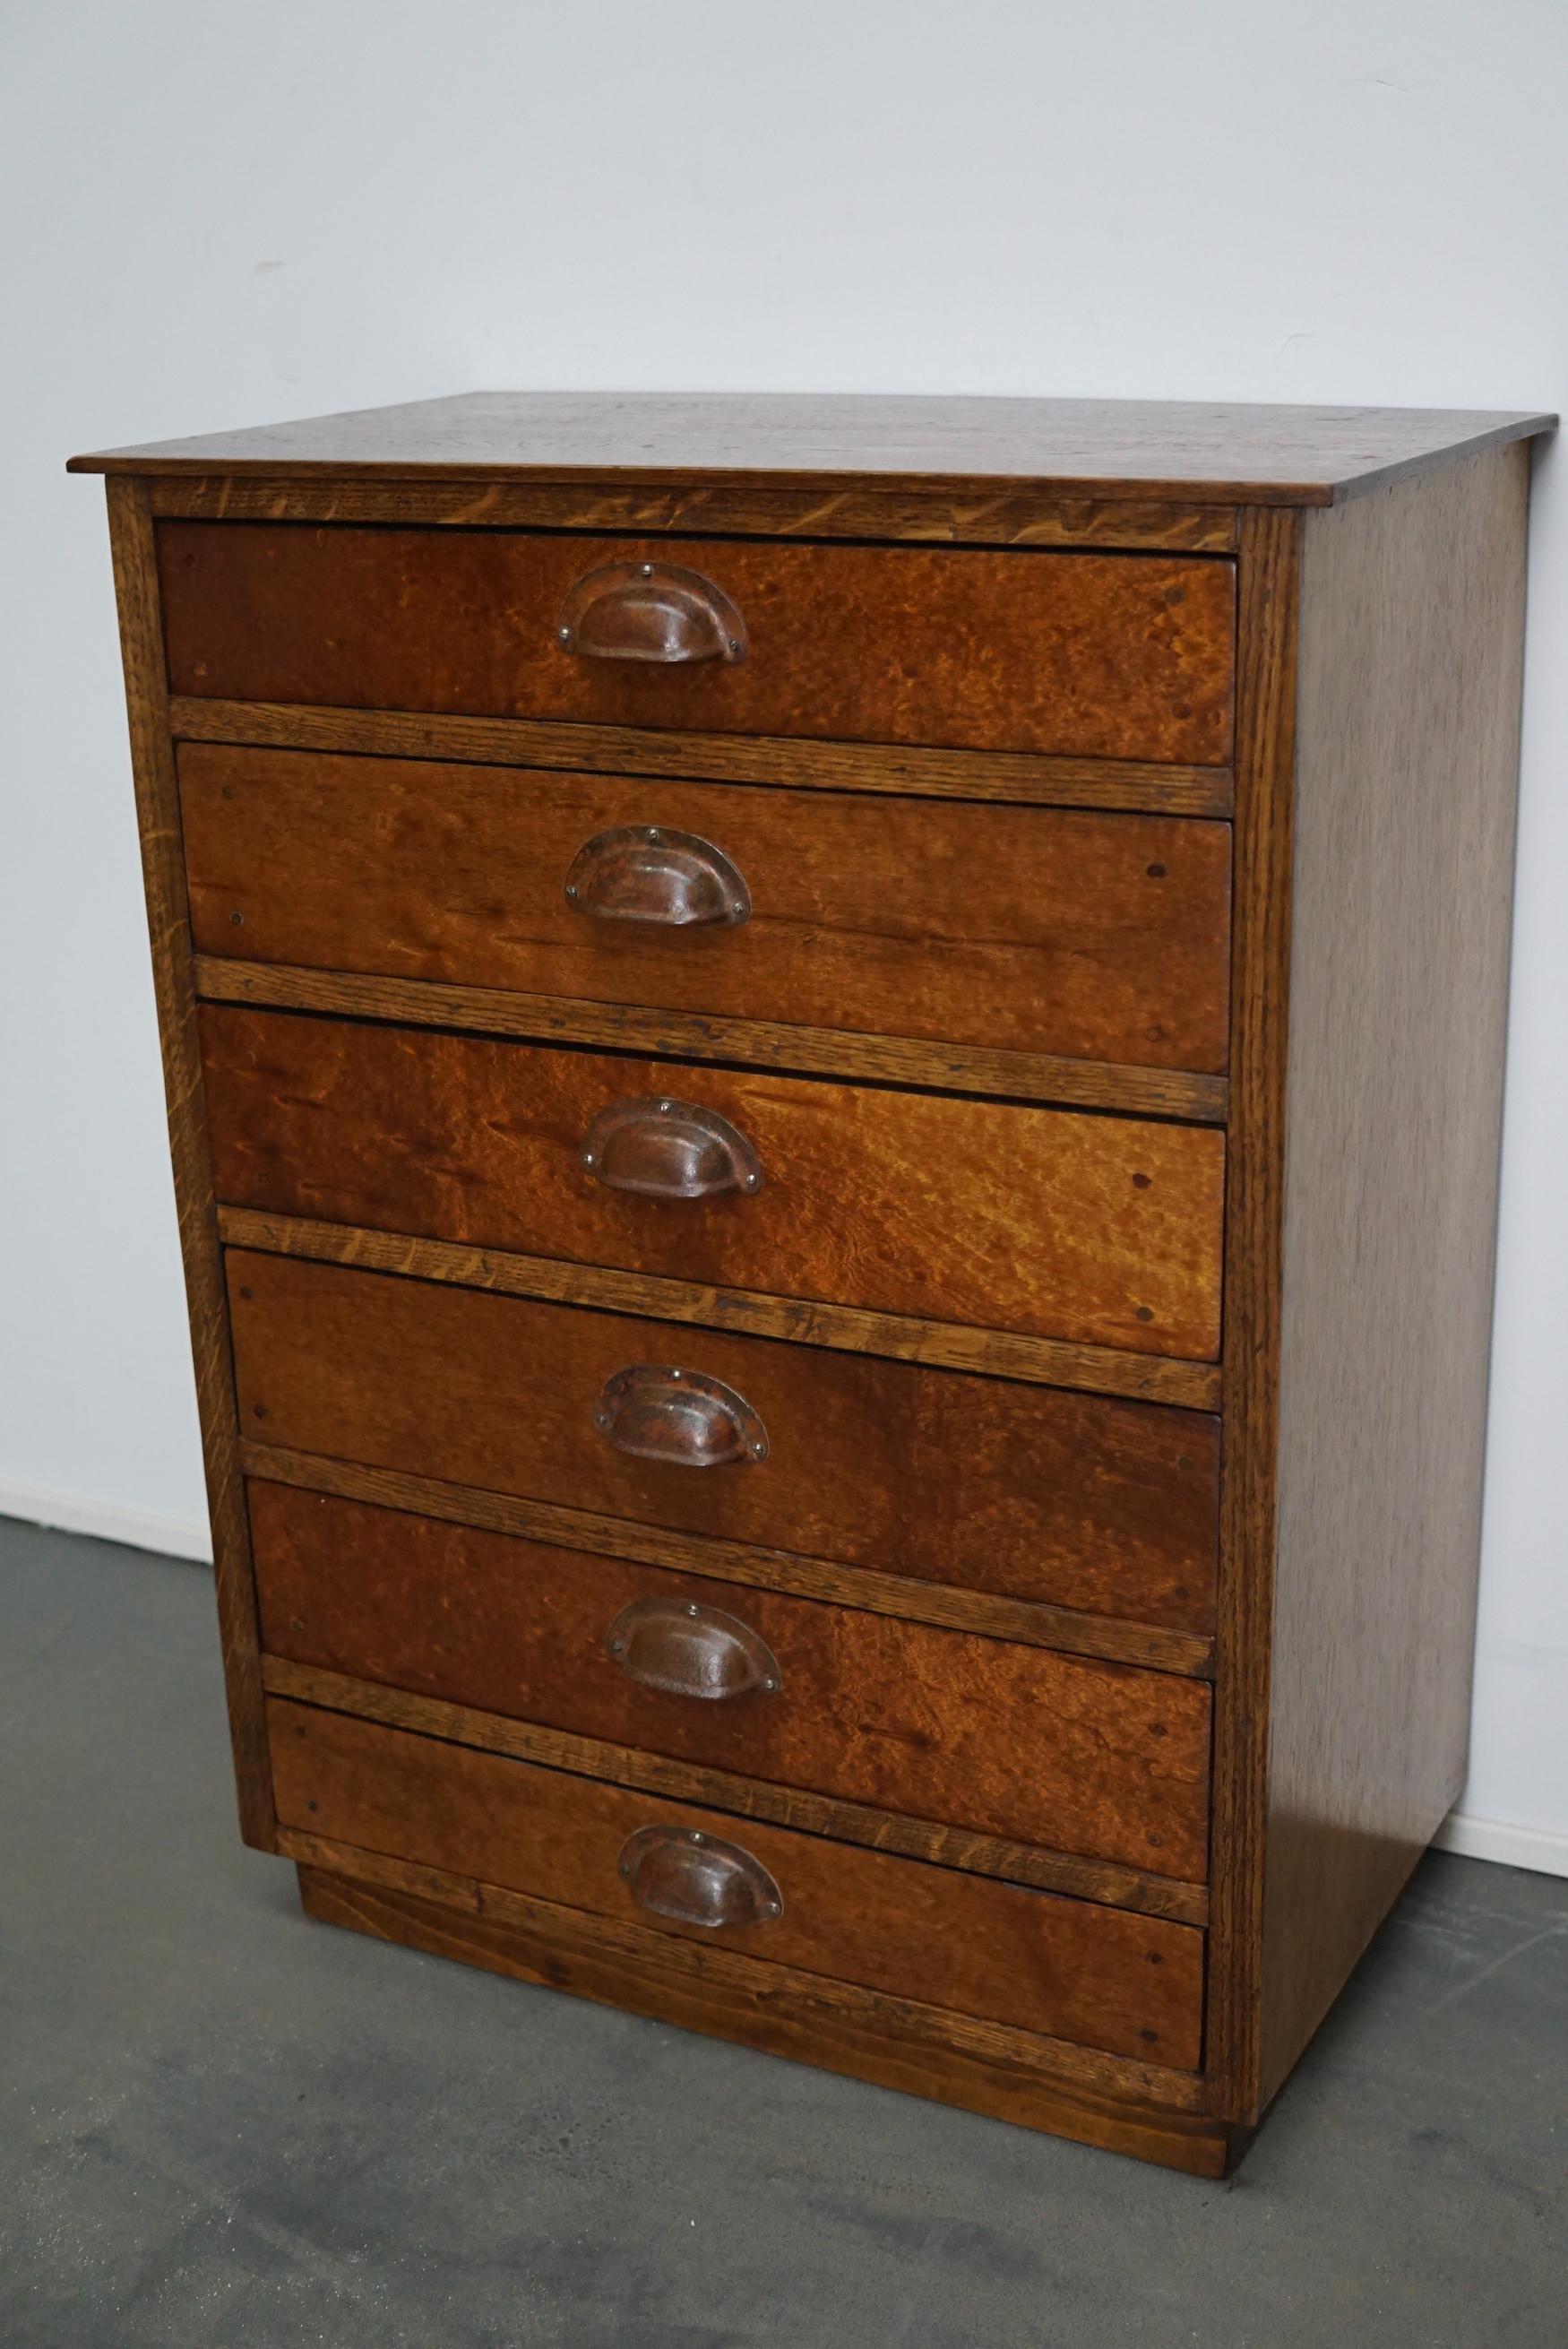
(1103, 448)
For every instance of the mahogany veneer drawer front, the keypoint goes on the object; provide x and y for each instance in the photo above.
(1110, 656)
(1062, 931)
(1010, 1741)
(1105, 1230)
(1068, 1500)
(1129, 1984)
(814, 1050)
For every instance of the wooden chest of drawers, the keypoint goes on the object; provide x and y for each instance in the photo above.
(834, 1072)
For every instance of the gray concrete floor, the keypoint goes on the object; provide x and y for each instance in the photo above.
(224, 2125)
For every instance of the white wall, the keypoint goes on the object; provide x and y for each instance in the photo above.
(221, 215)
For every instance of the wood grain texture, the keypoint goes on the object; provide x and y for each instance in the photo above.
(1004, 517)
(1009, 777)
(1104, 1881)
(1411, 627)
(1101, 448)
(749, 1564)
(894, 2042)
(1267, 696)
(1031, 1494)
(883, 1060)
(1093, 655)
(1011, 1742)
(1027, 931)
(163, 876)
(1040, 1223)
(1096, 1370)
(1003, 1953)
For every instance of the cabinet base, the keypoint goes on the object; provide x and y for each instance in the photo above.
(565, 1957)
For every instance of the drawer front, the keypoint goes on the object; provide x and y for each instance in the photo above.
(1098, 656)
(1026, 1491)
(973, 1732)
(1033, 929)
(1102, 1977)
(1044, 1223)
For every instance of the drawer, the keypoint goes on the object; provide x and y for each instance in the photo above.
(1098, 656)
(973, 1732)
(1043, 1223)
(1029, 1491)
(1102, 1977)
(1027, 928)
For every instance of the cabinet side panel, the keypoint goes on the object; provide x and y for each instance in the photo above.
(1410, 675)
(163, 873)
